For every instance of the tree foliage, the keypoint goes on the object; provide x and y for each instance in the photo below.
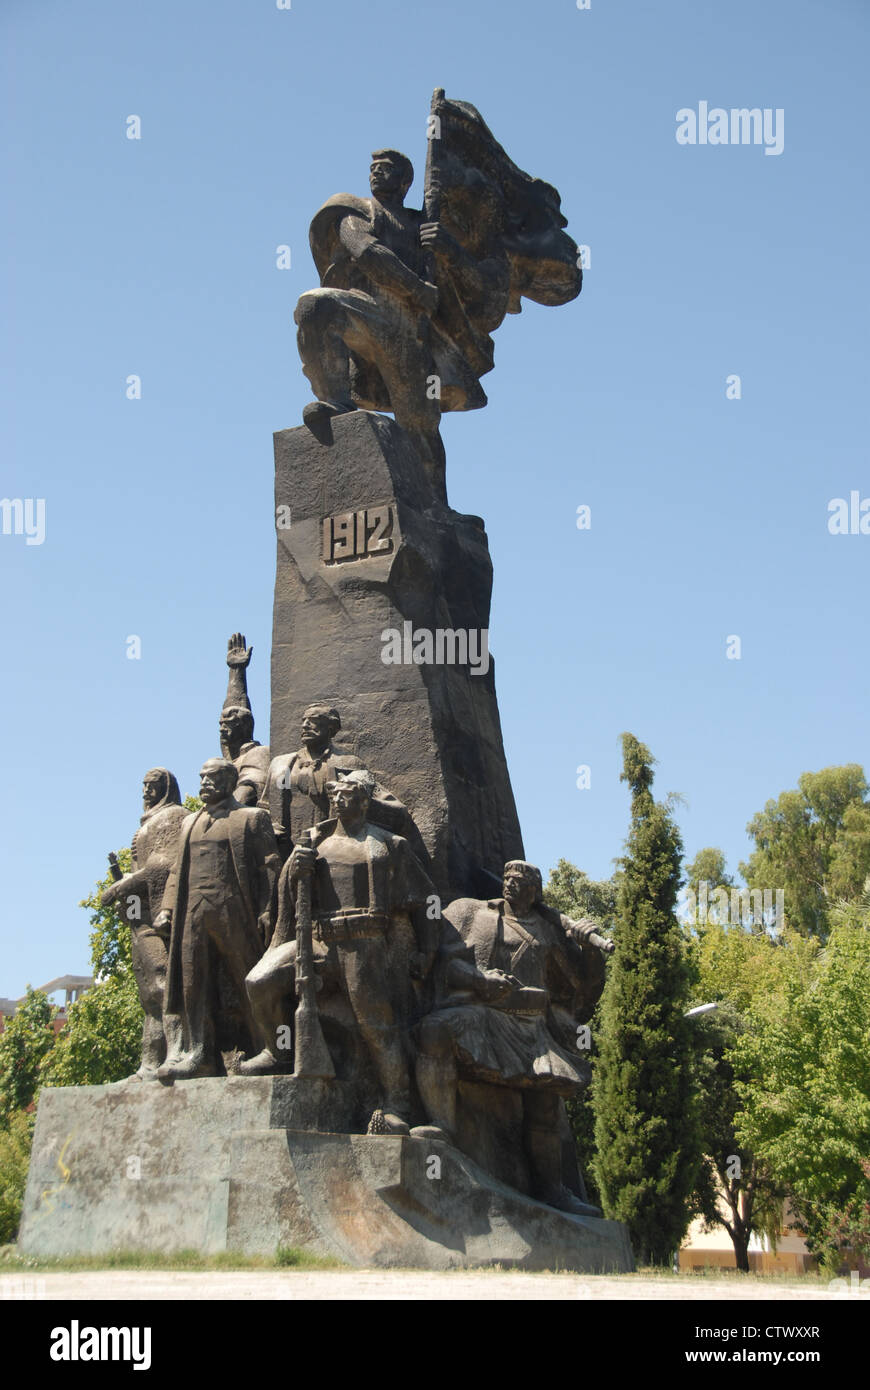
(708, 866)
(814, 843)
(646, 1129)
(15, 1141)
(573, 892)
(733, 1189)
(101, 1039)
(26, 1039)
(804, 1061)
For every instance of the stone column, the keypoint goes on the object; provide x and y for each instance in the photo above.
(367, 550)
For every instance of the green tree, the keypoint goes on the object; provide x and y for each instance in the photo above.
(101, 1039)
(573, 892)
(708, 866)
(111, 946)
(26, 1039)
(814, 843)
(731, 963)
(15, 1141)
(646, 1123)
(732, 1190)
(805, 1057)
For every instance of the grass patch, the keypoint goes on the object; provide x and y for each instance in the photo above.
(286, 1257)
(731, 1275)
(291, 1257)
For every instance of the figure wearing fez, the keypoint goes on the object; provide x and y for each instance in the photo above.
(218, 906)
(371, 935)
(238, 744)
(140, 898)
(513, 980)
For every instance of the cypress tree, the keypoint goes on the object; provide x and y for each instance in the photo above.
(646, 1127)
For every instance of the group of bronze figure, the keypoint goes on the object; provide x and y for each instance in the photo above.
(289, 927)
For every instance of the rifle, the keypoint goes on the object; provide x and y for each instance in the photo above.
(311, 1057)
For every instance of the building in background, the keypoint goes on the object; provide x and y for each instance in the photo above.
(713, 1249)
(72, 985)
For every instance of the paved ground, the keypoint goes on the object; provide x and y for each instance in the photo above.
(386, 1284)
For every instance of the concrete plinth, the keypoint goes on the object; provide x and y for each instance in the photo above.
(248, 1164)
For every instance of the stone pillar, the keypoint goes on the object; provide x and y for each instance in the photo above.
(367, 550)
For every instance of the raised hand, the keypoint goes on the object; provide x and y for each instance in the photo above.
(238, 655)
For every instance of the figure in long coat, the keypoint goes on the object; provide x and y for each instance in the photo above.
(140, 893)
(218, 904)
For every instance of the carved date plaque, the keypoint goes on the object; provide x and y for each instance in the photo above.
(357, 535)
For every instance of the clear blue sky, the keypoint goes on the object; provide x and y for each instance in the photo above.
(709, 516)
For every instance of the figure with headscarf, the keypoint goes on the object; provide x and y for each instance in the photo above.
(140, 898)
(513, 980)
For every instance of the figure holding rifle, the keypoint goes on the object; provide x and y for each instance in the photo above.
(370, 935)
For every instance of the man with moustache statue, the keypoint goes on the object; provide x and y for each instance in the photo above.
(218, 905)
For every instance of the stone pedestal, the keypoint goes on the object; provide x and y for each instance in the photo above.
(248, 1164)
(369, 550)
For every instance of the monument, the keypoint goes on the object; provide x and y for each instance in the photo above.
(362, 1021)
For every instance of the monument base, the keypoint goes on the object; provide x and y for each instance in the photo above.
(248, 1164)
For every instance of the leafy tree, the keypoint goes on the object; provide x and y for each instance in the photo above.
(733, 1189)
(845, 1235)
(15, 1141)
(737, 965)
(101, 1039)
(814, 843)
(573, 892)
(26, 1039)
(708, 866)
(646, 1124)
(110, 932)
(805, 1064)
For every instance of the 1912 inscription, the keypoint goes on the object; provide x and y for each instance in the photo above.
(356, 535)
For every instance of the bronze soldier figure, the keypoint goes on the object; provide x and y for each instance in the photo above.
(371, 934)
